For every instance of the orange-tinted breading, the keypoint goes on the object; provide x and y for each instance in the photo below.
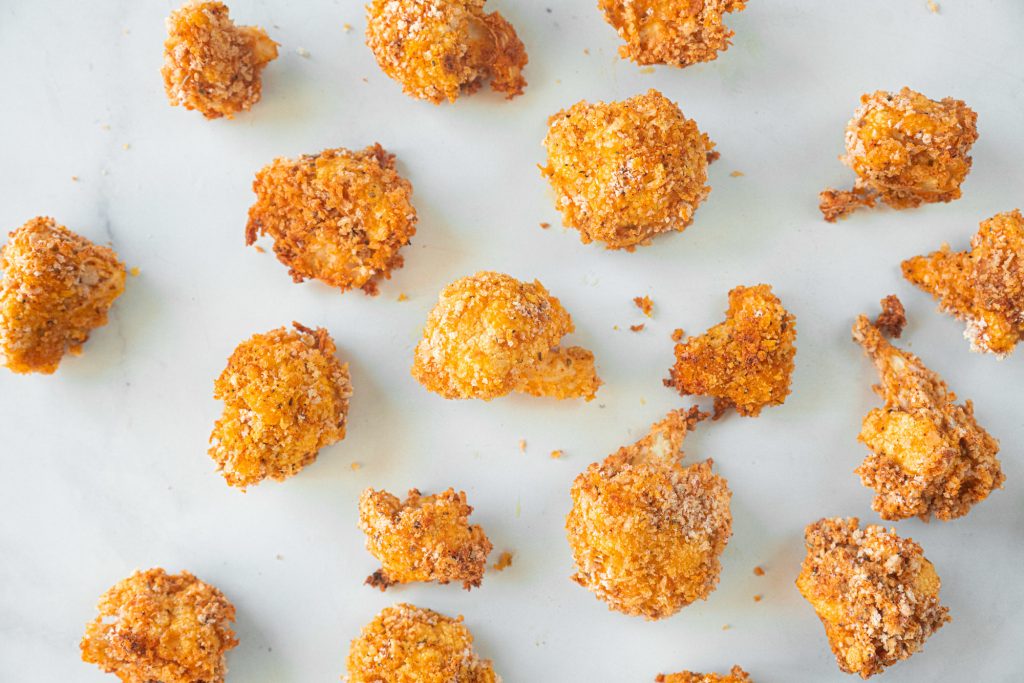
(340, 217)
(984, 287)
(745, 362)
(425, 538)
(409, 644)
(210, 64)
(440, 49)
(875, 593)
(154, 626)
(736, 675)
(57, 287)
(928, 454)
(285, 397)
(624, 172)
(906, 150)
(491, 334)
(645, 532)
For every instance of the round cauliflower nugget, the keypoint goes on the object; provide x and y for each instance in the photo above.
(645, 532)
(439, 49)
(154, 626)
(624, 172)
(285, 397)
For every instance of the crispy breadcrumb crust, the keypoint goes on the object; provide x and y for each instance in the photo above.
(154, 626)
(210, 64)
(645, 532)
(624, 172)
(440, 49)
(340, 217)
(875, 593)
(893, 318)
(285, 397)
(735, 675)
(57, 287)
(746, 362)
(984, 287)
(928, 455)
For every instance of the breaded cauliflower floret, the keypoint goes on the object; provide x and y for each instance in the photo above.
(440, 49)
(409, 644)
(875, 593)
(625, 172)
(423, 539)
(57, 287)
(340, 217)
(745, 362)
(906, 150)
(285, 397)
(491, 334)
(645, 532)
(736, 675)
(210, 64)
(984, 287)
(154, 626)
(928, 455)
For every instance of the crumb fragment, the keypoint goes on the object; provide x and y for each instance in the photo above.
(346, 27)
(758, 571)
(758, 597)
(545, 226)
(134, 272)
(678, 334)
(522, 445)
(893, 317)
(504, 561)
(645, 304)
(647, 70)
(933, 7)
(355, 466)
(259, 249)
(736, 174)
(403, 297)
(637, 328)
(74, 179)
(556, 454)
(302, 52)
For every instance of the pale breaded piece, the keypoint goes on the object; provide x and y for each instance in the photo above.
(425, 538)
(875, 593)
(984, 287)
(736, 675)
(409, 644)
(210, 64)
(154, 626)
(340, 217)
(645, 532)
(928, 455)
(285, 397)
(440, 49)
(57, 287)
(625, 172)
(745, 362)
(561, 373)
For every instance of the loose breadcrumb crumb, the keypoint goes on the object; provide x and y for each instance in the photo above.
(737, 174)
(893, 317)
(403, 297)
(758, 571)
(522, 445)
(504, 562)
(355, 467)
(555, 455)
(637, 328)
(134, 272)
(645, 304)
(758, 597)
(647, 70)
(933, 7)
(678, 334)
(545, 226)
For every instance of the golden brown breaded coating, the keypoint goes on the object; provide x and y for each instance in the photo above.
(928, 455)
(409, 644)
(340, 217)
(736, 675)
(875, 593)
(440, 49)
(285, 397)
(154, 626)
(425, 538)
(491, 334)
(745, 362)
(210, 64)
(625, 172)
(57, 287)
(984, 287)
(906, 150)
(645, 532)
(893, 318)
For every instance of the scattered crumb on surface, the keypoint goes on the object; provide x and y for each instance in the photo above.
(726, 627)
(74, 179)
(645, 304)
(346, 27)
(126, 146)
(758, 571)
(356, 466)
(933, 7)
(615, 327)
(736, 174)
(555, 455)
(586, 51)
(260, 250)
(893, 317)
(302, 52)
(403, 297)
(134, 272)
(545, 225)
(522, 445)
(647, 70)
(637, 328)
(677, 334)
(758, 597)
(504, 562)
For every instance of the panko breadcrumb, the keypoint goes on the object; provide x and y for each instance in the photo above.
(340, 217)
(57, 287)
(154, 626)
(735, 675)
(893, 318)
(285, 397)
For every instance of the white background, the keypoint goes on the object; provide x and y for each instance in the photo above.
(104, 468)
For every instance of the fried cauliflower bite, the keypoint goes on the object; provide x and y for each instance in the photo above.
(625, 172)
(409, 644)
(745, 362)
(928, 455)
(906, 150)
(645, 532)
(736, 675)
(875, 593)
(154, 626)
(491, 334)
(984, 287)
(57, 287)
(440, 49)
(285, 397)
(340, 217)
(210, 64)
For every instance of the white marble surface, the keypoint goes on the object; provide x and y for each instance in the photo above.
(104, 467)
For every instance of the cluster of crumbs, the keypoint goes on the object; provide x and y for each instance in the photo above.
(645, 304)
(735, 675)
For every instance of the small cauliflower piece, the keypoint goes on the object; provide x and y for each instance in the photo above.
(736, 675)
